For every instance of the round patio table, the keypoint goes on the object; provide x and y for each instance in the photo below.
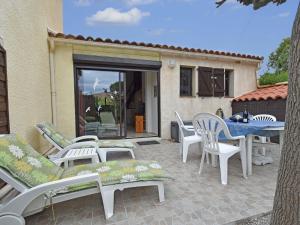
(255, 128)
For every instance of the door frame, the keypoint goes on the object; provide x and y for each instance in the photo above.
(2, 49)
(91, 66)
(77, 68)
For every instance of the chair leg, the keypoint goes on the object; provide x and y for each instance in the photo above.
(95, 159)
(132, 154)
(185, 149)
(207, 157)
(244, 161)
(202, 161)
(223, 169)
(263, 149)
(161, 192)
(102, 155)
(108, 202)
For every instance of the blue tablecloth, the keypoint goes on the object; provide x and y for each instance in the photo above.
(254, 127)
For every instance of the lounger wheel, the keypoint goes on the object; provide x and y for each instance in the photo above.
(11, 220)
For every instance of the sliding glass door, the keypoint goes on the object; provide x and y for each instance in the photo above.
(100, 103)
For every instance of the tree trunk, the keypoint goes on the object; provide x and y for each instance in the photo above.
(286, 208)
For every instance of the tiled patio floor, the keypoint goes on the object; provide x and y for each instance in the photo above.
(190, 199)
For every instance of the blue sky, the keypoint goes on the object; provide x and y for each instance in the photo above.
(188, 23)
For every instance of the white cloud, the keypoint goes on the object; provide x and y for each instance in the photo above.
(83, 2)
(284, 14)
(115, 16)
(138, 2)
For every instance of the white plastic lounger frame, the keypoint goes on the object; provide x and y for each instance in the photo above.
(33, 200)
(209, 127)
(84, 141)
(77, 150)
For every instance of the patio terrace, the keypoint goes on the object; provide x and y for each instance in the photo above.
(190, 199)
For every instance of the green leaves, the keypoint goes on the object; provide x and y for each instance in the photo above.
(278, 60)
(256, 3)
(273, 78)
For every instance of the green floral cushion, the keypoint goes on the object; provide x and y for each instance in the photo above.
(51, 132)
(116, 144)
(24, 163)
(116, 172)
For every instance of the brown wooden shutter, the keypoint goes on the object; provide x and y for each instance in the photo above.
(219, 86)
(205, 82)
(4, 119)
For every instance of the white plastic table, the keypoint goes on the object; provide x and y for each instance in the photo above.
(249, 145)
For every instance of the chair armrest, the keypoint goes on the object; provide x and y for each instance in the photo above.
(189, 127)
(86, 137)
(237, 138)
(19, 203)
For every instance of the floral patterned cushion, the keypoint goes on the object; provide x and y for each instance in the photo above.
(117, 172)
(116, 144)
(51, 132)
(24, 163)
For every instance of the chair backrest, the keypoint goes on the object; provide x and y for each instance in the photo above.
(209, 127)
(50, 133)
(264, 117)
(107, 118)
(180, 123)
(23, 164)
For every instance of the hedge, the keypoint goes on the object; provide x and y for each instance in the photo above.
(273, 78)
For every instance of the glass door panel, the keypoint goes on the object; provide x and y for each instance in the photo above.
(100, 102)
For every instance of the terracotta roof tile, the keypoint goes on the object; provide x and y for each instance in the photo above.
(170, 47)
(272, 92)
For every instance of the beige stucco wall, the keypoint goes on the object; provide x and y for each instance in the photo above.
(23, 28)
(187, 107)
(244, 81)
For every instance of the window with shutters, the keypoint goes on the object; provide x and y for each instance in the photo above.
(186, 81)
(4, 120)
(214, 82)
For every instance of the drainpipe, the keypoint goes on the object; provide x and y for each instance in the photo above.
(52, 81)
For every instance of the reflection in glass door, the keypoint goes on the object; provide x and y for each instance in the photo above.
(100, 103)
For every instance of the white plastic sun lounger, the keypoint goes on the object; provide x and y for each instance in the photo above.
(41, 182)
(33, 200)
(73, 148)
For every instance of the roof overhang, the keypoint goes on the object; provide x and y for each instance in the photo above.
(168, 51)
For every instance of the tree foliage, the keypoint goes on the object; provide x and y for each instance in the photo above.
(273, 78)
(278, 60)
(256, 3)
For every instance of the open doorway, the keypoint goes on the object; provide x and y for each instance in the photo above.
(141, 104)
(115, 103)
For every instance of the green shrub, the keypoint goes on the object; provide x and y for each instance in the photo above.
(273, 78)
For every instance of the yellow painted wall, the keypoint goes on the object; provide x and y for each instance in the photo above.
(23, 28)
(64, 82)
(64, 77)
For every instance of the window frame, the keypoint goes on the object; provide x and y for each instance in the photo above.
(191, 81)
(212, 82)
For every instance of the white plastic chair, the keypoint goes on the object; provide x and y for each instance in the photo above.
(210, 127)
(186, 141)
(264, 140)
